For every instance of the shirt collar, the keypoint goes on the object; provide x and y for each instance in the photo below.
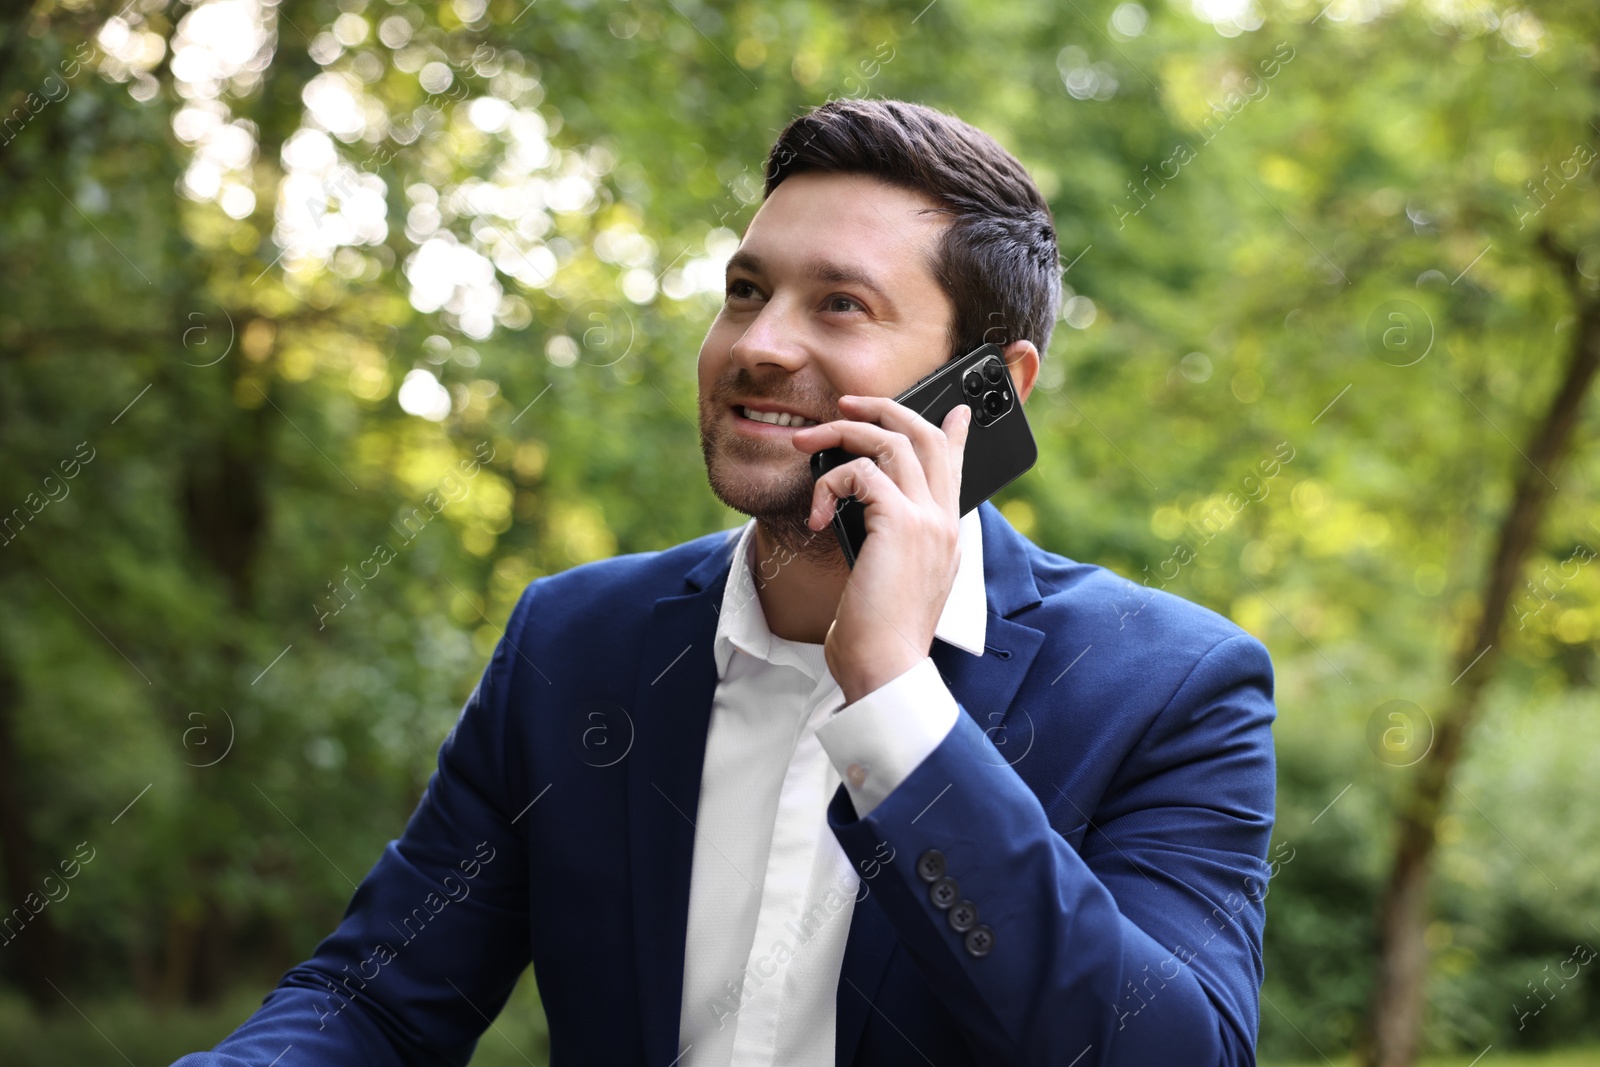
(741, 624)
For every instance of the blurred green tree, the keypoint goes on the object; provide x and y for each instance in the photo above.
(368, 313)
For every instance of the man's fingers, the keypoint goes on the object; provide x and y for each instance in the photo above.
(892, 451)
(957, 426)
(939, 453)
(860, 478)
(939, 450)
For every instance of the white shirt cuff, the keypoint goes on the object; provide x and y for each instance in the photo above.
(879, 740)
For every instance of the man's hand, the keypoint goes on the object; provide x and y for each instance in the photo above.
(909, 481)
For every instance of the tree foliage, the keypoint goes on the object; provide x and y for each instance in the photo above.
(351, 319)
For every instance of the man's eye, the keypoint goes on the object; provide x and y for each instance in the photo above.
(852, 302)
(737, 290)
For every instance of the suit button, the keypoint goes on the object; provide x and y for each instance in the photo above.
(979, 940)
(944, 893)
(930, 865)
(963, 917)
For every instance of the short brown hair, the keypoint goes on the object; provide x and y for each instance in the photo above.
(998, 259)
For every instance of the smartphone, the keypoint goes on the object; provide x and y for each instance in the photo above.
(999, 449)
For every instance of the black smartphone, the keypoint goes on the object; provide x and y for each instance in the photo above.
(999, 449)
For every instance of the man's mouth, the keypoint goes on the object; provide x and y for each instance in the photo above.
(773, 418)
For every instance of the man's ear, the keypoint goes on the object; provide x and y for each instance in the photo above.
(1023, 361)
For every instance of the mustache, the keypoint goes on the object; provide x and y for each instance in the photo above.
(741, 383)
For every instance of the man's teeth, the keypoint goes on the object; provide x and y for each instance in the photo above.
(776, 418)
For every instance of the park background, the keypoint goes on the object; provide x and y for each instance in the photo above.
(271, 273)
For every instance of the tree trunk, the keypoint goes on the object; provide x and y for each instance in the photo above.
(1395, 1012)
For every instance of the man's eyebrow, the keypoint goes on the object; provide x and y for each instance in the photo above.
(822, 270)
(745, 261)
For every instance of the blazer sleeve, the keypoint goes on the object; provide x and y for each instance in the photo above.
(1144, 940)
(436, 935)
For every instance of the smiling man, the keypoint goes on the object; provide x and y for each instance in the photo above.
(832, 306)
(968, 803)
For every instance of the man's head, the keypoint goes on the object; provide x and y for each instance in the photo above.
(892, 238)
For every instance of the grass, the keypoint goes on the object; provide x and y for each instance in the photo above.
(124, 1031)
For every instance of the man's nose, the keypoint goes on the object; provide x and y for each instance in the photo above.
(771, 340)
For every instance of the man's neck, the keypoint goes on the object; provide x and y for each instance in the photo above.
(799, 590)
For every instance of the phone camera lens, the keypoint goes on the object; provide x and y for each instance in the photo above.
(994, 403)
(993, 372)
(972, 384)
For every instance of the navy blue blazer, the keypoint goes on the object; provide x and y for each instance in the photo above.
(1104, 804)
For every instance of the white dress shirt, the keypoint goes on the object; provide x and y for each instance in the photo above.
(771, 892)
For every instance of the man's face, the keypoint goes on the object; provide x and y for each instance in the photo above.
(830, 293)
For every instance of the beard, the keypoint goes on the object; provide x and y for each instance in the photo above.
(780, 503)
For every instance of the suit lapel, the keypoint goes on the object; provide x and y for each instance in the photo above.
(985, 687)
(672, 715)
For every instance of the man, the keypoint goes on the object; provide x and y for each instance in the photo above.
(967, 803)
